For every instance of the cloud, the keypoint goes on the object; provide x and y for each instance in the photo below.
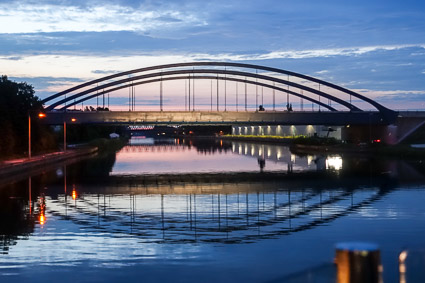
(338, 65)
(348, 51)
(104, 72)
(13, 58)
(30, 18)
(322, 72)
(378, 93)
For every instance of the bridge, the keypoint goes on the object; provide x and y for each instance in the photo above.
(331, 104)
(216, 118)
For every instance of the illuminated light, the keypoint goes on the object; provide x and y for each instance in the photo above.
(42, 219)
(377, 141)
(269, 152)
(41, 115)
(402, 257)
(334, 163)
(293, 158)
(293, 130)
(73, 119)
(279, 154)
(310, 129)
(137, 128)
(221, 143)
(402, 266)
(309, 159)
(74, 194)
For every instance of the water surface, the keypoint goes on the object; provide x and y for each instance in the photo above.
(208, 211)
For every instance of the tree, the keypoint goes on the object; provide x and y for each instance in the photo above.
(17, 100)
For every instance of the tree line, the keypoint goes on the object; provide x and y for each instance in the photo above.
(17, 102)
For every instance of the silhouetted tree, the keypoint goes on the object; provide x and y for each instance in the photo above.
(17, 100)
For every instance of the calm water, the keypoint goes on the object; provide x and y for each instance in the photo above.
(209, 211)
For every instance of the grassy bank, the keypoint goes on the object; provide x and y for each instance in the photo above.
(304, 144)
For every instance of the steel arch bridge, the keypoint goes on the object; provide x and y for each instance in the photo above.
(248, 74)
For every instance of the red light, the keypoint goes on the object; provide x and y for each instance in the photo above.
(74, 194)
(73, 119)
(377, 141)
(41, 115)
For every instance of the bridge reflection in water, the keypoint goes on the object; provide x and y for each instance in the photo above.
(220, 217)
(237, 207)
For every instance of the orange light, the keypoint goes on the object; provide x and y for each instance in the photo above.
(42, 219)
(41, 115)
(73, 119)
(74, 194)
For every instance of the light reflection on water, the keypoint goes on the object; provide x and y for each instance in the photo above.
(260, 222)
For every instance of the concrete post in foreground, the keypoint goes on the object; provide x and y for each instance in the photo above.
(358, 262)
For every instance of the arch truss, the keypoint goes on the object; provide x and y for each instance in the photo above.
(319, 92)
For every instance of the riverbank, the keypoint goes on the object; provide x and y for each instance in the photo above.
(306, 145)
(11, 168)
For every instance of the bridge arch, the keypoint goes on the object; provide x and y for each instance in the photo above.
(170, 71)
(199, 78)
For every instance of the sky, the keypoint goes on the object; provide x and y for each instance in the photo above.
(376, 48)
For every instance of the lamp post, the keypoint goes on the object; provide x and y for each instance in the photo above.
(64, 135)
(41, 115)
(73, 120)
(29, 135)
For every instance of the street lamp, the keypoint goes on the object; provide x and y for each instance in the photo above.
(64, 132)
(41, 115)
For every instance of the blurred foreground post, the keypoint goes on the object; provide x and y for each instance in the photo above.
(358, 263)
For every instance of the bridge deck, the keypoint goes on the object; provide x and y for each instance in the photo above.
(216, 118)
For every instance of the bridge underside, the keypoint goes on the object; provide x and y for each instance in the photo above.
(339, 118)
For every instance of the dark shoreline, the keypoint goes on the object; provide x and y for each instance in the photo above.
(14, 171)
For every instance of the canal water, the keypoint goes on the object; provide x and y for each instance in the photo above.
(209, 211)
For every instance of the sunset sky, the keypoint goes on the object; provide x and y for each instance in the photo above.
(374, 47)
